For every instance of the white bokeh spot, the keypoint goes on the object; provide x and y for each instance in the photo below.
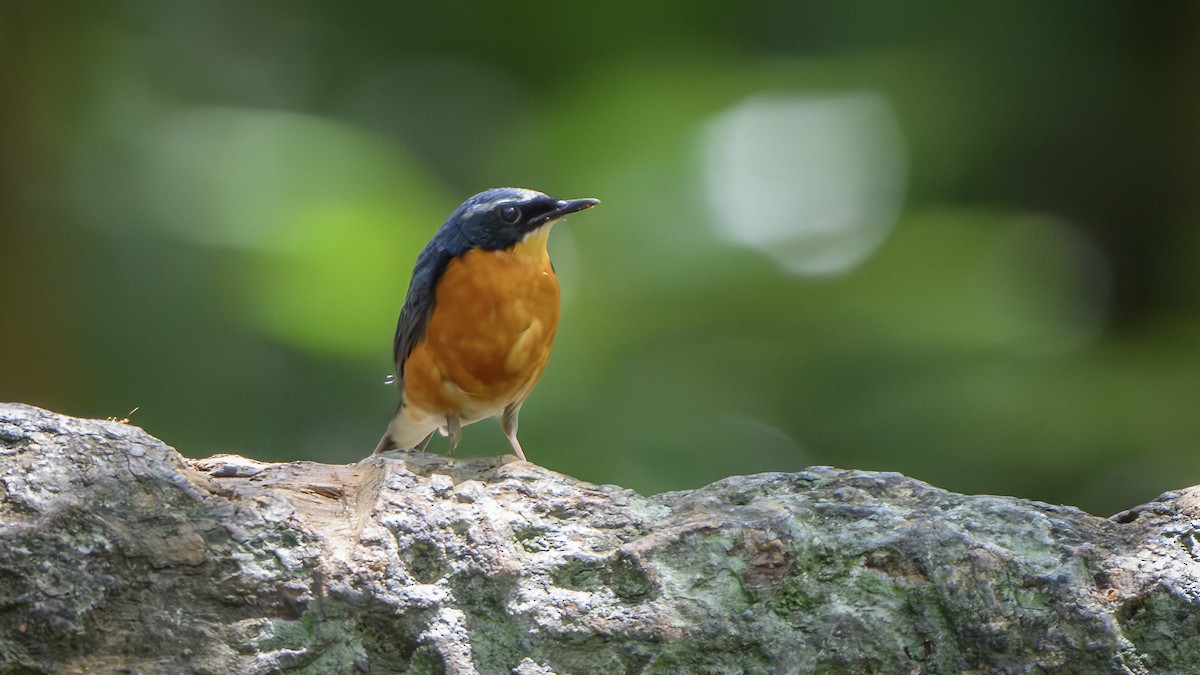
(816, 183)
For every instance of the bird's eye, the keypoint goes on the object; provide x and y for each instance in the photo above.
(509, 214)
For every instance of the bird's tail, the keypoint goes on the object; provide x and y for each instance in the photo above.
(385, 444)
(405, 434)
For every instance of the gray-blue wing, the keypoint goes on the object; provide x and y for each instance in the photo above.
(419, 302)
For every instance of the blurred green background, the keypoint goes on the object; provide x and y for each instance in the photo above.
(955, 240)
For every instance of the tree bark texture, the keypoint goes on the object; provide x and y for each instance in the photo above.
(119, 555)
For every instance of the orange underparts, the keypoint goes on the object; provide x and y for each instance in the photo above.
(489, 336)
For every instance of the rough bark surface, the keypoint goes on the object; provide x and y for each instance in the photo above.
(119, 555)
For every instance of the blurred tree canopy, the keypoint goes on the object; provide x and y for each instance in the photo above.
(953, 240)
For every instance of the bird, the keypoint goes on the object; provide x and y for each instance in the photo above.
(479, 318)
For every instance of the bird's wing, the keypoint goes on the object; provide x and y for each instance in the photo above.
(418, 303)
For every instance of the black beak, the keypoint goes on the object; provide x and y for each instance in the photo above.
(561, 208)
(566, 206)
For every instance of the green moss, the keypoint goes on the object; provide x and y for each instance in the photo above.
(1165, 629)
(425, 661)
(718, 658)
(493, 631)
(579, 574)
(323, 638)
(532, 539)
(628, 579)
(424, 561)
(388, 642)
(792, 599)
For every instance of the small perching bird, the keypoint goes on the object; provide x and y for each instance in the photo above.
(479, 319)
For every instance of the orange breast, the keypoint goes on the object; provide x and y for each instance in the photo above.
(489, 337)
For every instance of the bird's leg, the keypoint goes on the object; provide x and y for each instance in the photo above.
(453, 430)
(508, 422)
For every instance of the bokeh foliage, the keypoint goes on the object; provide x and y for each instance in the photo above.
(210, 210)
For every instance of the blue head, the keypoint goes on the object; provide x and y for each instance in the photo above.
(501, 218)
